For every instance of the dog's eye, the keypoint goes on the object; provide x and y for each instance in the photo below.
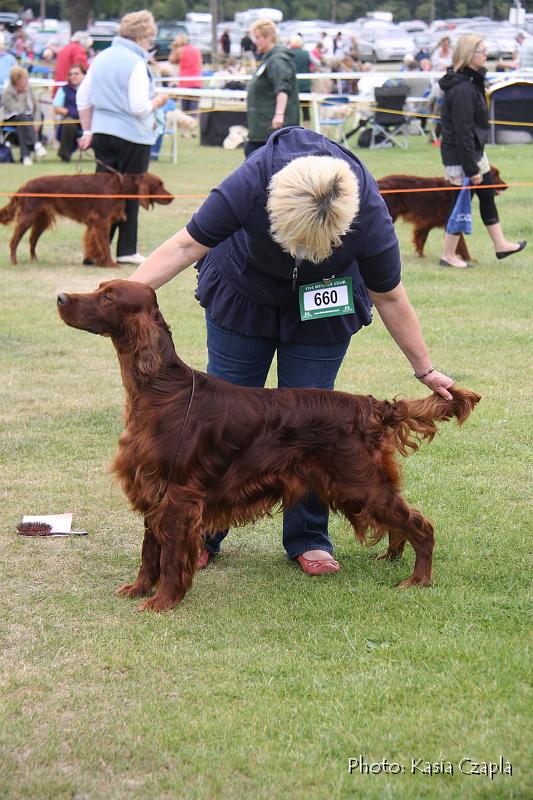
(107, 298)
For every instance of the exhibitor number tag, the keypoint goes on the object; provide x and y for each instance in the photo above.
(331, 298)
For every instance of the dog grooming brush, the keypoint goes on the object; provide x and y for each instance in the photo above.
(48, 525)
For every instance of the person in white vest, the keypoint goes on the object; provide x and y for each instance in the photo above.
(116, 103)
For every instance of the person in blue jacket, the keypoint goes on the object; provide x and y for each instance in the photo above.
(292, 250)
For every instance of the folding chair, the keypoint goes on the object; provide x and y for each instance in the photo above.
(335, 116)
(387, 127)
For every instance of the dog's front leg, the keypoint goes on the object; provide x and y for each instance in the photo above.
(395, 549)
(149, 571)
(180, 546)
(96, 242)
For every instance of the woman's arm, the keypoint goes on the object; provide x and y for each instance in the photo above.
(464, 128)
(85, 110)
(170, 258)
(279, 114)
(141, 104)
(400, 319)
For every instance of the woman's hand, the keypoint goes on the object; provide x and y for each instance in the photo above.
(438, 383)
(85, 141)
(475, 180)
(159, 101)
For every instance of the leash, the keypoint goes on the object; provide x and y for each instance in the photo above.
(178, 441)
(108, 167)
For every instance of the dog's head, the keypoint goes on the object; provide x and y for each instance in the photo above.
(146, 183)
(153, 185)
(127, 311)
(497, 178)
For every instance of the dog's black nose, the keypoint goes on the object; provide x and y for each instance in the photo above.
(62, 299)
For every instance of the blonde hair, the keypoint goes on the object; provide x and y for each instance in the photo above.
(463, 52)
(16, 74)
(311, 204)
(137, 25)
(296, 41)
(180, 40)
(265, 27)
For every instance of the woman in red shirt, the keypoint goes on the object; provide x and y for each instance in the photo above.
(189, 59)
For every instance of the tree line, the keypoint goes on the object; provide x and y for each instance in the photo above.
(80, 12)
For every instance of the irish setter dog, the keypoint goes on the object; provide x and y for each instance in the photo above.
(98, 214)
(425, 210)
(199, 454)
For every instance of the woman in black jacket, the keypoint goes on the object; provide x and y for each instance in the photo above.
(465, 127)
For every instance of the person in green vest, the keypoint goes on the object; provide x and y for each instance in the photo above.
(272, 96)
(303, 64)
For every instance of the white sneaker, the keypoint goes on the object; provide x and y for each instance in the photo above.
(135, 258)
(27, 161)
(40, 151)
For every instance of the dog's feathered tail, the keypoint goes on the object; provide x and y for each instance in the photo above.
(8, 213)
(412, 421)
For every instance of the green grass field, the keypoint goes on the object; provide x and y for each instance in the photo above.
(264, 682)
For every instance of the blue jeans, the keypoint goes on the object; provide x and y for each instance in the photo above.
(245, 361)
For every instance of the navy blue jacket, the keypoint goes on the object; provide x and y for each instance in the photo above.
(246, 280)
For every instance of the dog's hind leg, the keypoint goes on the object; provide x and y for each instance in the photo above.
(40, 224)
(22, 226)
(149, 571)
(401, 519)
(420, 236)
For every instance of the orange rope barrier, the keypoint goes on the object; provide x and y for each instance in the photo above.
(104, 196)
(202, 196)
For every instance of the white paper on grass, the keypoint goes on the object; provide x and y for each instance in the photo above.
(61, 523)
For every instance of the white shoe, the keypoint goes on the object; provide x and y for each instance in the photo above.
(39, 150)
(135, 258)
(27, 161)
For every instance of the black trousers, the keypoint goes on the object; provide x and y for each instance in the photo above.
(127, 158)
(67, 135)
(249, 147)
(25, 133)
(487, 205)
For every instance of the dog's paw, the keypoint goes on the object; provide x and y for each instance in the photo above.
(156, 604)
(412, 581)
(389, 555)
(132, 590)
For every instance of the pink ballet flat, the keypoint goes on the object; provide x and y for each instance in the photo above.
(317, 567)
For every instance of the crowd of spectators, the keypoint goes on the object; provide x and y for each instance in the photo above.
(330, 55)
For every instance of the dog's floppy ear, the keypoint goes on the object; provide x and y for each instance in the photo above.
(145, 188)
(144, 331)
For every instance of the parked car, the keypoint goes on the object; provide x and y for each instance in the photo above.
(45, 33)
(166, 33)
(413, 26)
(499, 36)
(390, 43)
(102, 33)
(9, 20)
